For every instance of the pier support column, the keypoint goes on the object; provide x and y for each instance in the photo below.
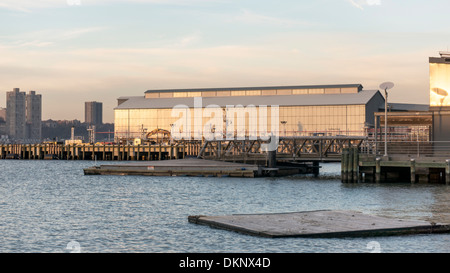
(316, 168)
(350, 165)
(413, 171)
(447, 172)
(378, 170)
(344, 170)
(272, 159)
(355, 165)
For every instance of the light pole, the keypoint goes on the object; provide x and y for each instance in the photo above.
(386, 86)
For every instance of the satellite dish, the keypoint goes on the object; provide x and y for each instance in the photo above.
(387, 85)
(440, 92)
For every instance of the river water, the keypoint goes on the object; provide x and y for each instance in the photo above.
(50, 206)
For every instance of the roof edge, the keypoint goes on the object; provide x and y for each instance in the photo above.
(359, 86)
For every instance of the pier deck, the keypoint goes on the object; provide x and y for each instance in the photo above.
(321, 224)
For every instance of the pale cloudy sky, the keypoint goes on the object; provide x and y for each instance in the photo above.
(72, 51)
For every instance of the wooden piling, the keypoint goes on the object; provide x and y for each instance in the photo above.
(350, 165)
(447, 172)
(344, 170)
(413, 170)
(378, 170)
(272, 160)
(355, 165)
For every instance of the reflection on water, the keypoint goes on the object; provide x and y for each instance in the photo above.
(45, 205)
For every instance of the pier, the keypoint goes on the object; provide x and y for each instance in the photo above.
(106, 152)
(427, 162)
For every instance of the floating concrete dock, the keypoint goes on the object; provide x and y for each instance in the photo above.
(196, 167)
(181, 167)
(320, 224)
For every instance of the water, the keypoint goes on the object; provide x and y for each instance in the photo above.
(47, 205)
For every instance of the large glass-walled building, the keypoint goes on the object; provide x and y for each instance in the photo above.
(249, 112)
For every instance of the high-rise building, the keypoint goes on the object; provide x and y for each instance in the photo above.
(34, 115)
(15, 114)
(93, 113)
(23, 115)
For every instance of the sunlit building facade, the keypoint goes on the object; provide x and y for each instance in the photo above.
(249, 112)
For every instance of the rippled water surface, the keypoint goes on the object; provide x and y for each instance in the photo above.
(45, 205)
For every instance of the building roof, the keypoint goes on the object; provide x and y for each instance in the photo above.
(360, 98)
(406, 107)
(359, 86)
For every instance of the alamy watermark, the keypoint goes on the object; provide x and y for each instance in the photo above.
(374, 247)
(73, 247)
(233, 122)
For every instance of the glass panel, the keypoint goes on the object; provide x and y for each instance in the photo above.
(284, 92)
(253, 92)
(269, 92)
(223, 93)
(166, 95)
(179, 94)
(332, 90)
(151, 95)
(194, 94)
(349, 90)
(209, 94)
(316, 91)
(237, 93)
(299, 91)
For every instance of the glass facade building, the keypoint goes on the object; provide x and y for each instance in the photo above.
(249, 112)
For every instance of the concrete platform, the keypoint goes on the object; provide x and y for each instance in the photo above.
(180, 167)
(320, 224)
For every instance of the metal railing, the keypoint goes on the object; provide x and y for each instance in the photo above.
(411, 148)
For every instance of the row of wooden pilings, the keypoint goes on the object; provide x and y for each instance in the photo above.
(88, 151)
(350, 165)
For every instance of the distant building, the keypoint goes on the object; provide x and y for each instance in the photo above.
(34, 115)
(2, 121)
(16, 114)
(93, 113)
(23, 115)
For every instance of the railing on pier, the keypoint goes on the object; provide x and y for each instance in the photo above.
(407, 148)
(296, 148)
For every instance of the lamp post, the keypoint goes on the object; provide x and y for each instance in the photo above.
(284, 126)
(386, 86)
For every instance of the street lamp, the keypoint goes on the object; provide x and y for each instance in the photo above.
(284, 126)
(386, 86)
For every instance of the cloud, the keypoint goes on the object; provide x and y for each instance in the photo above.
(30, 5)
(52, 37)
(250, 17)
(361, 3)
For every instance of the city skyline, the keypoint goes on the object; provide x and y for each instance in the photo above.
(72, 51)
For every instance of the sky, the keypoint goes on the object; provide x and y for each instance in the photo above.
(72, 51)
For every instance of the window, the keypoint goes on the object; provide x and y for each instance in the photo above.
(194, 94)
(223, 93)
(179, 94)
(299, 91)
(237, 93)
(253, 92)
(284, 92)
(151, 95)
(269, 92)
(166, 95)
(316, 91)
(209, 94)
